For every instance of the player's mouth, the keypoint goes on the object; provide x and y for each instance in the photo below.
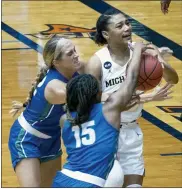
(127, 36)
(76, 62)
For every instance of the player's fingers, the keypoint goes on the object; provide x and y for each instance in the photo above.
(14, 102)
(168, 97)
(133, 97)
(167, 85)
(139, 92)
(147, 47)
(166, 50)
(163, 92)
(168, 92)
(13, 112)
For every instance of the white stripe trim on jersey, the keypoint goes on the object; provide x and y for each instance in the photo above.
(49, 112)
(84, 177)
(30, 129)
(22, 145)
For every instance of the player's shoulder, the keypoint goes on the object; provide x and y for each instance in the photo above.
(93, 63)
(94, 58)
(55, 85)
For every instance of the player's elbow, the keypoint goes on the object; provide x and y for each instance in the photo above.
(173, 80)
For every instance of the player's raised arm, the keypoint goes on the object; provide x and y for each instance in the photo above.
(169, 74)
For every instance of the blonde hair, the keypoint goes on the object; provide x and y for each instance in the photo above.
(52, 51)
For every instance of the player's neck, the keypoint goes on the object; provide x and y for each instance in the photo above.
(119, 51)
(65, 72)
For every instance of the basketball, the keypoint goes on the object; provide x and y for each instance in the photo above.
(151, 72)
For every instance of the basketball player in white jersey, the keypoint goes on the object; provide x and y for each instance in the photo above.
(109, 65)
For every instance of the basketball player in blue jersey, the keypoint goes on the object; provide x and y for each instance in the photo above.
(109, 66)
(34, 140)
(90, 132)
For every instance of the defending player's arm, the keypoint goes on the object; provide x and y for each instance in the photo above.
(55, 92)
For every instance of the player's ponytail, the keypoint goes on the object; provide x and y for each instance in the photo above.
(81, 95)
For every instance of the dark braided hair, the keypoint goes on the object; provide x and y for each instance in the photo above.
(81, 93)
(102, 24)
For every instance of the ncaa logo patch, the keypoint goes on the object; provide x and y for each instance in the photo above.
(107, 65)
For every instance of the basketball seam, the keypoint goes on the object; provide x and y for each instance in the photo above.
(148, 77)
(151, 72)
(146, 83)
(156, 78)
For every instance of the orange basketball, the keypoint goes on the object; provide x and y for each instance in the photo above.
(151, 72)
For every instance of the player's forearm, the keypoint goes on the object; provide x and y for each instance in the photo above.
(125, 92)
(133, 70)
(169, 73)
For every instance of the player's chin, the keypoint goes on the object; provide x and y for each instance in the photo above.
(77, 65)
(127, 39)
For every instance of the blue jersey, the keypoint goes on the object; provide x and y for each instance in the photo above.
(91, 147)
(39, 113)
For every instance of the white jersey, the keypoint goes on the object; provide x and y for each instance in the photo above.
(112, 76)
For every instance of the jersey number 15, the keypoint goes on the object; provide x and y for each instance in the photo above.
(84, 135)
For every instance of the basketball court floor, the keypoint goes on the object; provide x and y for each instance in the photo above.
(27, 25)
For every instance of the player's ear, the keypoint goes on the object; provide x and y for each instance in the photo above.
(105, 35)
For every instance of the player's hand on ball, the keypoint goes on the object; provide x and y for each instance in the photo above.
(156, 52)
(165, 50)
(143, 46)
(162, 93)
(166, 53)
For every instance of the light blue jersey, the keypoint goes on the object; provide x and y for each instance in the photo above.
(91, 150)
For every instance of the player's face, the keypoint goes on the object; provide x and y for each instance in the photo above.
(70, 57)
(119, 29)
